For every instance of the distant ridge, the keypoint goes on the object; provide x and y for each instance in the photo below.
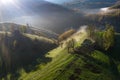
(48, 33)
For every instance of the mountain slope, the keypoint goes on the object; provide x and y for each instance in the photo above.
(87, 4)
(66, 66)
(9, 27)
(60, 59)
(20, 50)
(42, 14)
(116, 6)
(108, 15)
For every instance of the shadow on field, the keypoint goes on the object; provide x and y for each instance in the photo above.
(20, 52)
(113, 55)
(115, 51)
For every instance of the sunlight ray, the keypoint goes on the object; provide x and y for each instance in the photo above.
(12, 6)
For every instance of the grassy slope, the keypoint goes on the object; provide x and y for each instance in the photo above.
(65, 66)
(33, 37)
(60, 59)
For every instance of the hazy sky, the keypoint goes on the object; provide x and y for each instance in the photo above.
(30, 11)
(58, 1)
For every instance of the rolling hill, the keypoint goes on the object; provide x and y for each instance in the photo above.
(9, 27)
(46, 15)
(19, 50)
(39, 59)
(109, 15)
(66, 66)
(89, 4)
(37, 51)
(116, 6)
(42, 14)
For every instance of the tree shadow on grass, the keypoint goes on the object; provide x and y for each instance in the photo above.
(112, 67)
(114, 56)
(114, 52)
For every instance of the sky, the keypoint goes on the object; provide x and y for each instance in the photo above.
(20, 11)
(58, 1)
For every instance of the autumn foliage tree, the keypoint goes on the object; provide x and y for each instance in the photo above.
(66, 34)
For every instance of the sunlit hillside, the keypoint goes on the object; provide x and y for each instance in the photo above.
(59, 39)
(96, 65)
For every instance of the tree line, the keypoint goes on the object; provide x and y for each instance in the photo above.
(105, 38)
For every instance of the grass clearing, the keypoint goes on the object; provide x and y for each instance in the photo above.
(100, 56)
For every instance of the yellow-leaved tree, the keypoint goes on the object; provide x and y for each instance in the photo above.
(108, 37)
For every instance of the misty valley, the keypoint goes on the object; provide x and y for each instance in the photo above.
(59, 39)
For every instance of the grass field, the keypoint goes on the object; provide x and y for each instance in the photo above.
(33, 37)
(65, 66)
(60, 59)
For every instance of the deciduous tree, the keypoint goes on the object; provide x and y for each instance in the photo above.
(108, 37)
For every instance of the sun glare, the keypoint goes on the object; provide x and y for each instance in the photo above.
(104, 9)
(6, 2)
